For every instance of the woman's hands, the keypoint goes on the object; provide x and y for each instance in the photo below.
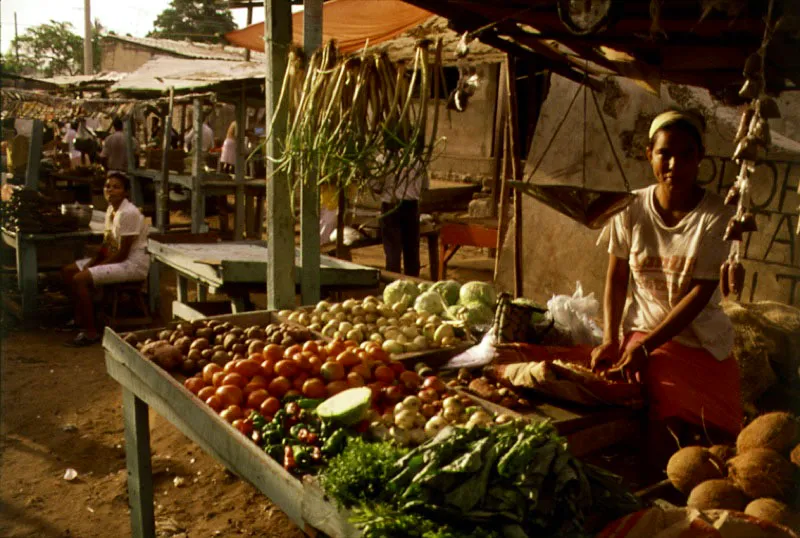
(605, 356)
(629, 365)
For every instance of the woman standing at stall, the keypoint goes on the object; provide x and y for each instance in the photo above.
(669, 332)
(122, 258)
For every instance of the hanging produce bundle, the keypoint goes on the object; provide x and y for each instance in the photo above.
(354, 121)
(752, 141)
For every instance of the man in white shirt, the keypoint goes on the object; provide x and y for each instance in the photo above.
(206, 139)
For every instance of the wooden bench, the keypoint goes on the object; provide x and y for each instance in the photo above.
(465, 232)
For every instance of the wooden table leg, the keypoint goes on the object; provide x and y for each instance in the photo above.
(140, 472)
(202, 292)
(239, 304)
(183, 288)
(27, 275)
(154, 286)
(433, 255)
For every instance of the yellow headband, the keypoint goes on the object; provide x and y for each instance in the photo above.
(666, 119)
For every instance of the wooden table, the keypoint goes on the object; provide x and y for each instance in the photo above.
(146, 385)
(28, 264)
(238, 268)
(465, 232)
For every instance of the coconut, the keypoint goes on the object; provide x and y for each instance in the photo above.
(690, 466)
(795, 455)
(762, 472)
(772, 510)
(717, 493)
(778, 431)
(723, 453)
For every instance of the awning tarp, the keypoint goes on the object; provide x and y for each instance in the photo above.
(351, 23)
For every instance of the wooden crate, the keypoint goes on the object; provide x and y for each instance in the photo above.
(301, 499)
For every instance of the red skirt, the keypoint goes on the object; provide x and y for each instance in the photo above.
(690, 384)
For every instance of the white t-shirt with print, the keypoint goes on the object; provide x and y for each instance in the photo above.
(405, 184)
(664, 260)
(126, 221)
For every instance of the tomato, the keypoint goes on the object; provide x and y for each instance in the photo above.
(259, 380)
(384, 373)
(243, 425)
(297, 382)
(355, 380)
(311, 346)
(256, 356)
(377, 390)
(268, 367)
(362, 370)
(231, 413)
(394, 394)
(269, 406)
(348, 359)
(230, 394)
(428, 395)
(377, 354)
(427, 410)
(332, 371)
(335, 387)
(215, 403)
(301, 360)
(433, 382)
(206, 392)
(293, 393)
(209, 370)
(322, 353)
(235, 379)
(217, 378)
(314, 387)
(291, 350)
(279, 386)
(194, 384)
(397, 367)
(229, 366)
(248, 368)
(410, 379)
(256, 398)
(349, 344)
(252, 387)
(334, 347)
(316, 365)
(286, 368)
(273, 352)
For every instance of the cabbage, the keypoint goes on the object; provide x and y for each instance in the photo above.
(478, 291)
(430, 302)
(454, 310)
(448, 289)
(400, 291)
(424, 286)
(476, 313)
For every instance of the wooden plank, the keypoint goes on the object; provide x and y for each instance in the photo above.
(182, 288)
(602, 436)
(191, 311)
(198, 198)
(239, 208)
(162, 193)
(201, 424)
(27, 276)
(130, 154)
(140, 471)
(280, 229)
(34, 156)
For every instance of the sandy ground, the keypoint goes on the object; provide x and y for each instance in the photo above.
(61, 411)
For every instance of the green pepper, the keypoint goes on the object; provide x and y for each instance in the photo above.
(294, 430)
(335, 443)
(302, 455)
(309, 403)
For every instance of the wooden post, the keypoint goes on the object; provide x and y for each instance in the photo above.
(249, 22)
(130, 154)
(501, 165)
(342, 208)
(499, 138)
(162, 196)
(239, 206)
(140, 470)
(280, 228)
(309, 192)
(183, 125)
(34, 156)
(198, 200)
(516, 170)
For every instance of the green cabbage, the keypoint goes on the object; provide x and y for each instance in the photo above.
(424, 286)
(474, 313)
(400, 290)
(430, 302)
(478, 291)
(448, 289)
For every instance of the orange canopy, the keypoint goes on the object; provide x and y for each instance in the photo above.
(351, 23)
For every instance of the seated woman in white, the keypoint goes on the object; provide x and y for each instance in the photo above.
(122, 258)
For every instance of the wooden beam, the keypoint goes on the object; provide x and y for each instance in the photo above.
(280, 228)
(34, 156)
(140, 470)
(309, 191)
(137, 197)
(498, 140)
(162, 196)
(239, 209)
(198, 199)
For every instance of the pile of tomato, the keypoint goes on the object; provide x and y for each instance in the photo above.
(314, 369)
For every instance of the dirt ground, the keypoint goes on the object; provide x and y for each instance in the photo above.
(61, 412)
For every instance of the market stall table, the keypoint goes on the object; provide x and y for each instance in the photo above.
(238, 268)
(476, 232)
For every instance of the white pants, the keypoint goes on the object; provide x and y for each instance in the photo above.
(114, 273)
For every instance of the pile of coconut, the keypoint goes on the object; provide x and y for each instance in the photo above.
(756, 477)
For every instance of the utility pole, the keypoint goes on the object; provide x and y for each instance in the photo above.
(88, 57)
(249, 22)
(16, 37)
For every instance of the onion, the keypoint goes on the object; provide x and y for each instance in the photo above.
(349, 304)
(381, 322)
(405, 419)
(370, 318)
(356, 336)
(322, 306)
(358, 310)
(325, 317)
(392, 346)
(340, 316)
(293, 317)
(418, 436)
(412, 402)
(337, 335)
(335, 308)
(434, 426)
(345, 326)
(285, 313)
(410, 332)
(358, 319)
(370, 308)
(376, 337)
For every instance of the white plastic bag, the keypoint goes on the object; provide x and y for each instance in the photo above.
(573, 316)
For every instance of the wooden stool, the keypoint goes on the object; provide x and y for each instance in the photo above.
(137, 294)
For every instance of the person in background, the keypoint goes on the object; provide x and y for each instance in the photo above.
(399, 221)
(157, 131)
(206, 138)
(114, 155)
(17, 149)
(70, 133)
(663, 324)
(122, 258)
(228, 158)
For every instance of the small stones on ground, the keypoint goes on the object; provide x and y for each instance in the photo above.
(69, 428)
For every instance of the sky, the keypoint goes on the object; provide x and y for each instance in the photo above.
(133, 17)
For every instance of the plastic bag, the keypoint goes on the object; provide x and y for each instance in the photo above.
(573, 316)
(351, 235)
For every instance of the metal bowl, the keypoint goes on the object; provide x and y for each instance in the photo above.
(80, 211)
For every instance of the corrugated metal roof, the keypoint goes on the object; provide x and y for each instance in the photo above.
(108, 77)
(187, 49)
(158, 74)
